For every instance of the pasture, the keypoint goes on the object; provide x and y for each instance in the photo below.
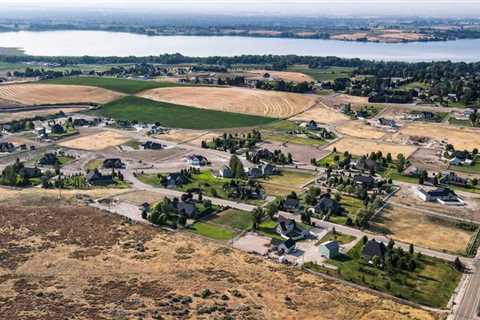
(176, 116)
(239, 100)
(37, 94)
(127, 86)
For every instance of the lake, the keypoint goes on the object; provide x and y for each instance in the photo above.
(101, 43)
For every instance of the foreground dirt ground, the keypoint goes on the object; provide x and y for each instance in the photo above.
(61, 260)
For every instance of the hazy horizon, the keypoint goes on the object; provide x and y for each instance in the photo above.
(319, 8)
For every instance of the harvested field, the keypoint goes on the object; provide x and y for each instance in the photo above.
(411, 226)
(95, 142)
(63, 261)
(287, 76)
(7, 117)
(34, 94)
(461, 138)
(321, 115)
(9, 104)
(360, 129)
(360, 147)
(238, 100)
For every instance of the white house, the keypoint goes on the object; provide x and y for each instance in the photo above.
(443, 196)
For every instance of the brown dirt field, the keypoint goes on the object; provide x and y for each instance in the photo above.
(181, 135)
(410, 226)
(297, 77)
(360, 129)
(95, 142)
(38, 193)
(240, 100)
(7, 117)
(67, 261)
(321, 115)
(461, 138)
(32, 94)
(360, 147)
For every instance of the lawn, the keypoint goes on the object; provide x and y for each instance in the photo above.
(151, 178)
(339, 237)
(329, 161)
(474, 168)
(213, 231)
(431, 284)
(286, 182)
(115, 84)
(268, 229)
(207, 182)
(94, 164)
(234, 219)
(325, 74)
(459, 122)
(297, 139)
(64, 160)
(176, 116)
(415, 84)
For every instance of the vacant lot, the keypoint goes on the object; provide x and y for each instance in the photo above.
(321, 114)
(286, 182)
(177, 116)
(287, 76)
(240, 100)
(233, 218)
(98, 141)
(7, 117)
(360, 147)
(34, 94)
(121, 85)
(411, 226)
(61, 261)
(360, 129)
(461, 138)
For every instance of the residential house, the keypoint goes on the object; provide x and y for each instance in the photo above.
(172, 180)
(327, 204)
(261, 154)
(197, 160)
(451, 178)
(367, 165)
(312, 125)
(28, 172)
(287, 246)
(254, 172)
(152, 145)
(374, 248)
(96, 178)
(268, 170)
(49, 159)
(291, 204)
(113, 163)
(460, 158)
(225, 172)
(57, 129)
(187, 209)
(366, 181)
(7, 147)
(288, 229)
(444, 196)
(329, 249)
(390, 123)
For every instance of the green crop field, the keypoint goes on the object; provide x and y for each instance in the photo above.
(326, 74)
(176, 116)
(115, 84)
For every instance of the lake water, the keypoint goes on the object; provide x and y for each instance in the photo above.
(100, 43)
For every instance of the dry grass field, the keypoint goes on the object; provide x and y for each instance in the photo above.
(284, 75)
(7, 117)
(410, 226)
(185, 135)
(461, 138)
(360, 129)
(97, 141)
(34, 94)
(68, 261)
(360, 147)
(321, 114)
(336, 99)
(138, 197)
(239, 100)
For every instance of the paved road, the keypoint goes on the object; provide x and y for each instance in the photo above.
(468, 307)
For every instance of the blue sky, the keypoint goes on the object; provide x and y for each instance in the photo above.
(443, 8)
